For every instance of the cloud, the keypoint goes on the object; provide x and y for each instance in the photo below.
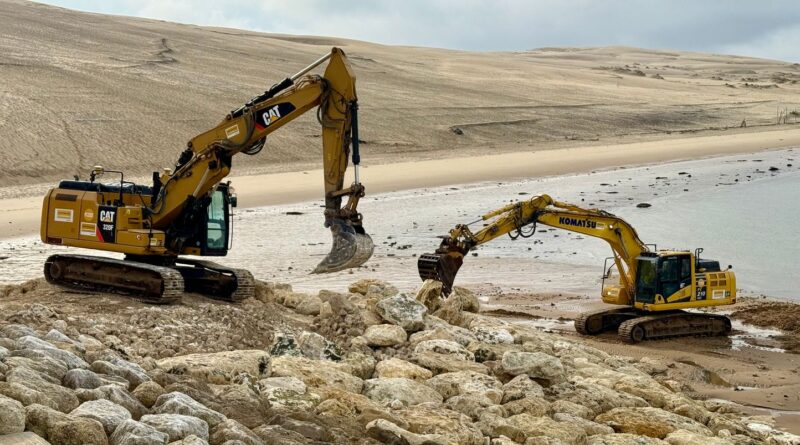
(761, 29)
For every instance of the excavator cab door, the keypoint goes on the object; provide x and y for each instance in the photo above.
(217, 223)
(647, 279)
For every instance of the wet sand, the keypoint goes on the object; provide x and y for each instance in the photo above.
(20, 207)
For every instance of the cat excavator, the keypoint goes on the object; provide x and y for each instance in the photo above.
(187, 211)
(654, 290)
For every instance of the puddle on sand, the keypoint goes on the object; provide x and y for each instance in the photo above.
(749, 336)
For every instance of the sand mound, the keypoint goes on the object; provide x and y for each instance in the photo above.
(85, 89)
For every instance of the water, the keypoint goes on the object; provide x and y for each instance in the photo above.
(753, 227)
(734, 207)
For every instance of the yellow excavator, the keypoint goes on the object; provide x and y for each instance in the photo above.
(655, 287)
(187, 211)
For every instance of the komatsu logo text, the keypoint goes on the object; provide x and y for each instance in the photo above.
(577, 222)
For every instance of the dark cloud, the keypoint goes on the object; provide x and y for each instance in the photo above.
(769, 29)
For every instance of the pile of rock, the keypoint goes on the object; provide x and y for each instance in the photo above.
(382, 367)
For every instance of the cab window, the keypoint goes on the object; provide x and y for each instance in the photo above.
(216, 234)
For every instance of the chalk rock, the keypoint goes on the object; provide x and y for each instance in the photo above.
(430, 295)
(444, 347)
(64, 398)
(381, 287)
(63, 429)
(45, 348)
(287, 392)
(219, 367)
(407, 391)
(177, 426)
(520, 387)
(452, 384)
(231, 430)
(430, 419)
(109, 414)
(56, 336)
(533, 426)
(278, 435)
(459, 308)
(597, 398)
(440, 363)
(316, 373)
(389, 433)
(194, 440)
(385, 335)
(25, 395)
(403, 311)
(493, 335)
(648, 421)
(244, 404)
(116, 394)
(38, 362)
(684, 437)
(131, 432)
(82, 379)
(535, 406)
(591, 428)
(310, 305)
(536, 365)
(148, 392)
(307, 344)
(116, 366)
(395, 367)
(624, 439)
(474, 405)
(317, 347)
(571, 408)
(12, 416)
(15, 331)
(179, 403)
(308, 429)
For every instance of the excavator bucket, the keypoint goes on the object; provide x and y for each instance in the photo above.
(440, 267)
(352, 247)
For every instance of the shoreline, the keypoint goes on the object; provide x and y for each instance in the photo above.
(19, 216)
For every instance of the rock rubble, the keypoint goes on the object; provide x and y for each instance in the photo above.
(366, 367)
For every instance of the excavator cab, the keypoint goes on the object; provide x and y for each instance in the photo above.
(213, 237)
(666, 279)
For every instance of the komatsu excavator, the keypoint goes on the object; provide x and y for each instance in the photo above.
(654, 286)
(188, 211)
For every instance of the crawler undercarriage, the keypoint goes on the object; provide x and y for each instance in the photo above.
(634, 326)
(161, 283)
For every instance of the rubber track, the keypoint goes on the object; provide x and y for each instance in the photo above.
(172, 286)
(626, 328)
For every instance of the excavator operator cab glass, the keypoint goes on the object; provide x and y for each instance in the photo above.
(647, 279)
(217, 223)
(669, 275)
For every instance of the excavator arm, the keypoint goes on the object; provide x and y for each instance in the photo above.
(207, 159)
(519, 219)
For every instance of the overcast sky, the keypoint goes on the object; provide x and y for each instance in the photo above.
(760, 28)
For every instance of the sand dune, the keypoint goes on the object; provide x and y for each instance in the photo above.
(81, 89)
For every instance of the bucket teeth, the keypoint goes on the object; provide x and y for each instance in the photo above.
(440, 267)
(351, 248)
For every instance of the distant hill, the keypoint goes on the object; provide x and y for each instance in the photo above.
(79, 89)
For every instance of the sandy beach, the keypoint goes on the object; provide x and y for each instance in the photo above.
(20, 215)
